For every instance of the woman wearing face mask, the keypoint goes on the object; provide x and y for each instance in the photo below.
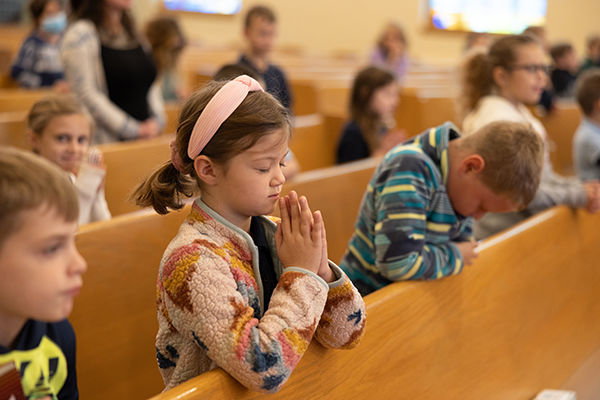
(38, 63)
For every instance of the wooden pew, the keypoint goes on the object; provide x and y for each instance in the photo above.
(423, 108)
(172, 109)
(20, 99)
(313, 146)
(523, 318)
(337, 192)
(561, 127)
(114, 317)
(128, 163)
(12, 129)
(304, 95)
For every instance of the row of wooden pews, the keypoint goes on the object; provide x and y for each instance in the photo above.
(524, 317)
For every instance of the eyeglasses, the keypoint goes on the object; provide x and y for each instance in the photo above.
(534, 68)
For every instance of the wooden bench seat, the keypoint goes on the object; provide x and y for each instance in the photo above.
(128, 163)
(115, 315)
(523, 318)
(20, 99)
(12, 129)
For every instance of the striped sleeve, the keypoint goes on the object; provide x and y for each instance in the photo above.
(404, 214)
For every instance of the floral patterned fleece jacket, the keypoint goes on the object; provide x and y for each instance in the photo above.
(210, 302)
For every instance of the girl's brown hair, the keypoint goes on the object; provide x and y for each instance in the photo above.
(54, 106)
(259, 115)
(365, 84)
(477, 74)
(167, 41)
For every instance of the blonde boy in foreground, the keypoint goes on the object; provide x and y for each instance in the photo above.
(40, 271)
(415, 220)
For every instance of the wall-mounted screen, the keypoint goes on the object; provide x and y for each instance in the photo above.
(493, 16)
(226, 7)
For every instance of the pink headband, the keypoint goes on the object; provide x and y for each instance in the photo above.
(218, 109)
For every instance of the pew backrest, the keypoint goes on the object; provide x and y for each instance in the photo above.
(128, 163)
(523, 318)
(114, 317)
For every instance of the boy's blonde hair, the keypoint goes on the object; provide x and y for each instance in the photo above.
(27, 182)
(514, 157)
(54, 106)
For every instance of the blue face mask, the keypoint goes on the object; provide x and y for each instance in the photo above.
(54, 24)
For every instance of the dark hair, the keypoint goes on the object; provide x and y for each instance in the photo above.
(259, 12)
(365, 84)
(592, 40)
(560, 50)
(477, 74)
(232, 71)
(36, 7)
(587, 89)
(162, 33)
(260, 114)
(93, 10)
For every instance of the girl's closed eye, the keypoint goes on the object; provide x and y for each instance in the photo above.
(53, 247)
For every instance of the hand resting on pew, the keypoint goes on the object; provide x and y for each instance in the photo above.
(468, 251)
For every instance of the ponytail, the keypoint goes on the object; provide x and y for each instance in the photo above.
(164, 189)
(477, 82)
(477, 77)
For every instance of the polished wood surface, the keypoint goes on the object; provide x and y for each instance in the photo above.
(114, 317)
(523, 318)
(12, 129)
(561, 126)
(128, 163)
(20, 99)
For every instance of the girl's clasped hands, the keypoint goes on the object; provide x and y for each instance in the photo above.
(300, 237)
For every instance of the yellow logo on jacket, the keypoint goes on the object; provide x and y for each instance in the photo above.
(43, 369)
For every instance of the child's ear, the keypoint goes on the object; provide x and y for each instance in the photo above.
(207, 170)
(32, 139)
(473, 163)
(500, 76)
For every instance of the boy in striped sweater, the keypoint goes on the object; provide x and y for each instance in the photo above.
(415, 220)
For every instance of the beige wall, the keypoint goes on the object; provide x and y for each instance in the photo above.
(324, 26)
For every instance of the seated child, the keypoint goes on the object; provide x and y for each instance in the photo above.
(260, 32)
(592, 59)
(586, 142)
(416, 216)
(374, 99)
(41, 273)
(565, 69)
(391, 51)
(237, 290)
(167, 41)
(60, 129)
(38, 62)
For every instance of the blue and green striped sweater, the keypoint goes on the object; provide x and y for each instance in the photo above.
(406, 223)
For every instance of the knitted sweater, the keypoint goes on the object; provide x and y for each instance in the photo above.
(210, 303)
